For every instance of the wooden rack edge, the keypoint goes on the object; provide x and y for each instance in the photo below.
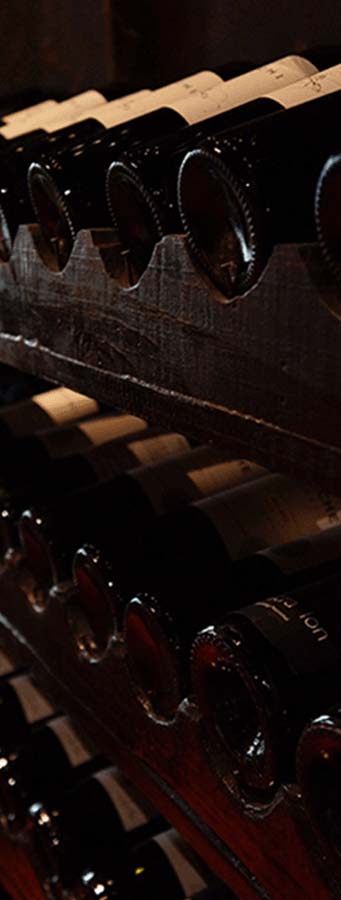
(260, 373)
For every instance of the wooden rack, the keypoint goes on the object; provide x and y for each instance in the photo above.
(260, 374)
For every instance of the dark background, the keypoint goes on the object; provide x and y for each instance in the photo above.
(59, 47)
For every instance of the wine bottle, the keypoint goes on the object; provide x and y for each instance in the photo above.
(53, 760)
(15, 385)
(25, 456)
(79, 161)
(74, 183)
(69, 840)
(165, 862)
(89, 465)
(141, 185)
(58, 461)
(55, 407)
(22, 705)
(16, 135)
(327, 213)
(254, 185)
(115, 516)
(160, 625)
(34, 571)
(318, 773)
(95, 612)
(30, 457)
(73, 122)
(93, 887)
(263, 674)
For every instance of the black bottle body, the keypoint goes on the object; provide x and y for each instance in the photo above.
(70, 840)
(116, 516)
(68, 189)
(164, 862)
(327, 213)
(15, 204)
(270, 667)
(51, 762)
(46, 475)
(54, 407)
(22, 706)
(145, 179)
(258, 180)
(318, 774)
(108, 515)
(199, 568)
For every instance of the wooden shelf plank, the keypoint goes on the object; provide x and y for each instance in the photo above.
(261, 373)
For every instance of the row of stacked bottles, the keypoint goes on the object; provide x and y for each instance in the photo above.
(222, 581)
(238, 164)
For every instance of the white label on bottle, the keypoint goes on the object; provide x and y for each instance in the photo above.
(153, 449)
(47, 107)
(334, 518)
(63, 405)
(172, 483)
(211, 479)
(72, 744)
(201, 105)
(132, 815)
(123, 109)
(310, 88)
(144, 101)
(6, 664)
(66, 113)
(174, 849)
(266, 511)
(201, 81)
(34, 704)
(306, 552)
(108, 428)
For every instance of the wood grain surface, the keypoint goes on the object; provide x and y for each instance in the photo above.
(259, 373)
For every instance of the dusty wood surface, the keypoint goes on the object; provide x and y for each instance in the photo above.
(260, 373)
(267, 852)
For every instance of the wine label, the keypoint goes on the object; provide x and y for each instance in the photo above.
(65, 113)
(300, 634)
(76, 752)
(155, 448)
(333, 518)
(170, 484)
(316, 85)
(200, 81)
(123, 109)
(145, 101)
(178, 856)
(203, 104)
(34, 704)
(108, 428)
(130, 811)
(55, 407)
(94, 432)
(64, 405)
(265, 511)
(6, 664)
(47, 107)
(306, 552)
(215, 478)
(115, 457)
